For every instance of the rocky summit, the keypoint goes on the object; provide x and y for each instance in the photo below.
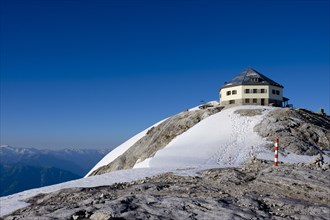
(301, 132)
(208, 170)
(255, 191)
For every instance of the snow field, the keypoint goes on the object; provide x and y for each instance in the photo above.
(223, 139)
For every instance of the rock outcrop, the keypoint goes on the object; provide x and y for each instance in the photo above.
(157, 138)
(299, 131)
(256, 191)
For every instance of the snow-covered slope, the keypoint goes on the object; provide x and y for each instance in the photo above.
(221, 139)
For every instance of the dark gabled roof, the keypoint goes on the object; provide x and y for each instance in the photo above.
(250, 77)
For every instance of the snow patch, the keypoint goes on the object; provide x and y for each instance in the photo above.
(143, 164)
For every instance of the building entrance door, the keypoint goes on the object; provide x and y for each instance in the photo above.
(262, 101)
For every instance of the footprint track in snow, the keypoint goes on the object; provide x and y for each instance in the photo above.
(240, 128)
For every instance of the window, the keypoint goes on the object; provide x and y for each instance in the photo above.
(262, 90)
(254, 101)
(247, 90)
(277, 92)
(256, 79)
(247, 100)
(228, 92)
(234, 92)
(231, 101)
(255, 90)
(273, 91)
(262, 101)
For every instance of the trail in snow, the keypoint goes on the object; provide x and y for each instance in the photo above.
(237, 148)
(213, 141)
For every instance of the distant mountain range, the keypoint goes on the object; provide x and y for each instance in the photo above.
(26, 168)
(17, 177)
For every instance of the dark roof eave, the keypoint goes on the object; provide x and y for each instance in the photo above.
(250, 84)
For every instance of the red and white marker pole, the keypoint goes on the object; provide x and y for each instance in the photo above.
(276, 153)
(251, 152)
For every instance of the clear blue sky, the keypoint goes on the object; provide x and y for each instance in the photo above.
(92, 73)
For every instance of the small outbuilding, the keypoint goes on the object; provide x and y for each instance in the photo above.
(252, 88)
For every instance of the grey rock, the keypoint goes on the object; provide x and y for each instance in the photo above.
(299, 131)
(256, 191)
(100, 216)
(157, 138)
(318, 159)
(248, 112)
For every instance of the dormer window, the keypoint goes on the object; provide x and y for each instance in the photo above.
(256, 79)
